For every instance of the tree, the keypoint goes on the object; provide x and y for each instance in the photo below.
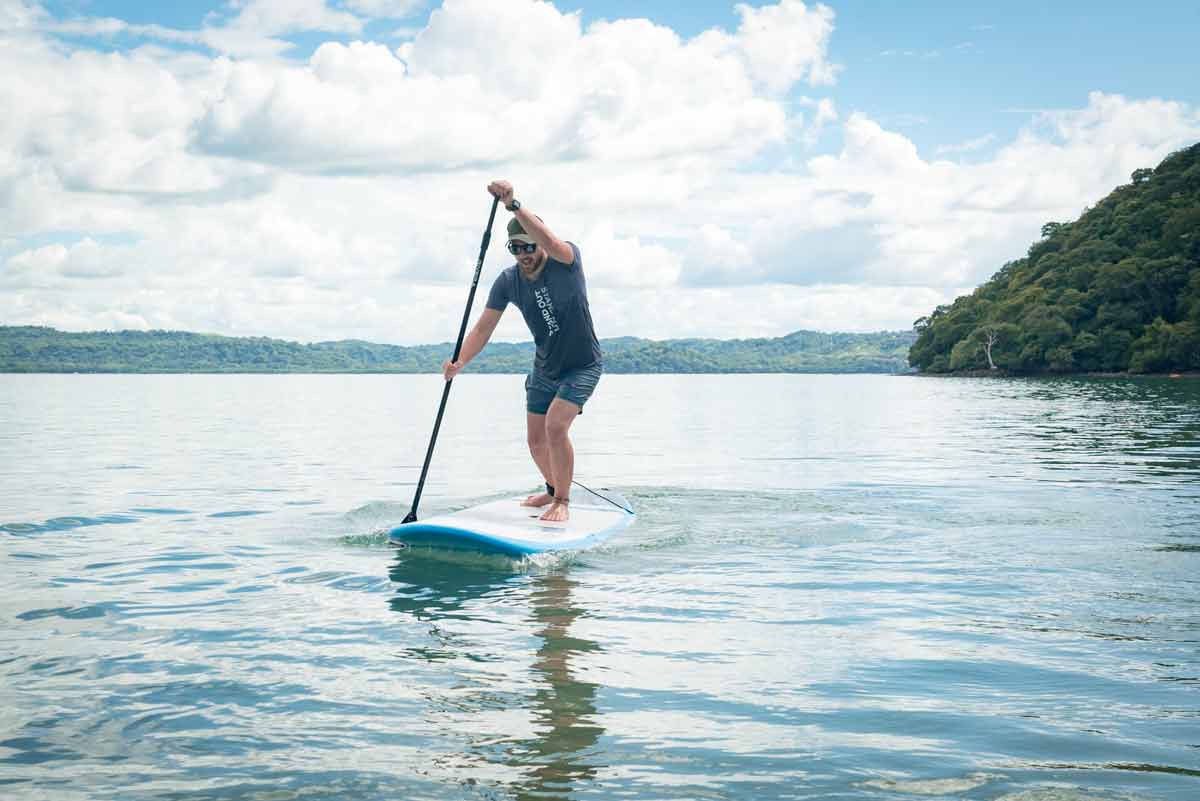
(991, 335)
(1007, 346)
(1086, 352)
(965, 354)
(1164, 347)
(1114, 349)
(1061, 359)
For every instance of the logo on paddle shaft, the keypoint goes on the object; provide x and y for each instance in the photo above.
(542, 296)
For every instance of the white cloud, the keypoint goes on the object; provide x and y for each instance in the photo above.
(947, 223)
(384, 9)
(786, 42)
(716, 256)
(112, 123)
(253, 31)
(469, 89)
(826, 112)
(256, 29)
(57, 266)
(92, 26)
(627, 261)
(35, 267)
(969, 146)
(342, 196)
(20, 14)
(274, 17)
(759, 310)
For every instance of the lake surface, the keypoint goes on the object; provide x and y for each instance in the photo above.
(838, 587)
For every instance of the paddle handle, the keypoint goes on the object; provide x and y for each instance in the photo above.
(462, 333)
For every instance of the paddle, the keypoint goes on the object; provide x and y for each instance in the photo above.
(462, 332)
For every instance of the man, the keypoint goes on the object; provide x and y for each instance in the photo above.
(548, 286)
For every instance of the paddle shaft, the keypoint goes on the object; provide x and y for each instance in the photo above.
(462, 332)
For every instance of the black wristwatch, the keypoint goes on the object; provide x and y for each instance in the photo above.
(515, 206)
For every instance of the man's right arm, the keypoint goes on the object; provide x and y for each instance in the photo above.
(556, 248)
(478, 336)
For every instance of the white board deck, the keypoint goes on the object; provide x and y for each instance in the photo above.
(507, 527)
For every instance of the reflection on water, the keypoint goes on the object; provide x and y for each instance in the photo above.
(556, 755)
(564, 708)
(1127, 431)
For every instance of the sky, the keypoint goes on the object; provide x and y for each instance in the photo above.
(316, 169)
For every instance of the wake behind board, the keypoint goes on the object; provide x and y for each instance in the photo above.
(506, 527)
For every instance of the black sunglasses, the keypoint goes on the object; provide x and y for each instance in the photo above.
(516, 248)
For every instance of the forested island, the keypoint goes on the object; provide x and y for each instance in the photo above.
(30, 349)
(1117, 290)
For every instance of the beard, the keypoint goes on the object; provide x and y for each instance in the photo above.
(531, 267)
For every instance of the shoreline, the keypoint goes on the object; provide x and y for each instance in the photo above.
(1183, 374)
(433, 372)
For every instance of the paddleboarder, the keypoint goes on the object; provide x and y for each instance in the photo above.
(547, 284)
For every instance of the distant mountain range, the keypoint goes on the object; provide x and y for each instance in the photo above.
(36, 349)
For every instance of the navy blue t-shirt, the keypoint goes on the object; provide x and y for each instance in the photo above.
(555, 307)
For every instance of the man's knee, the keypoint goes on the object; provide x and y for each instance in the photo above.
(557, 428)
(536, 436)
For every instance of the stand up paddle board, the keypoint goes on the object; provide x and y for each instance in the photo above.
(506, 527)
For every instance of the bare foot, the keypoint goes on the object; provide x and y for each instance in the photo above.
(557, 513)
(538, 500)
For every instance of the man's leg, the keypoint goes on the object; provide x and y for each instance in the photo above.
(561, 455)
(535, 435)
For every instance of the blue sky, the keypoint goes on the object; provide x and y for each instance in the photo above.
(304, 166)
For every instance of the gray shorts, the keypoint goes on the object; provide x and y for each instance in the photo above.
(575, 386)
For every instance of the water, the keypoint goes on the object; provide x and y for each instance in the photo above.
(839, 587)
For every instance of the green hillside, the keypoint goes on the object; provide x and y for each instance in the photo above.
(39, 349)
(1116, 290)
